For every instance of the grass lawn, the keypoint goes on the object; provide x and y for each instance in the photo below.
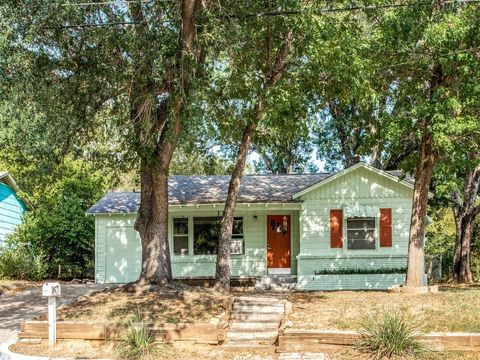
(452, 309)
(175, 305)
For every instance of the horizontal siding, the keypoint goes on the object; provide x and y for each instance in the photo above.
(11, 211)
(118, 252)
(315, 228)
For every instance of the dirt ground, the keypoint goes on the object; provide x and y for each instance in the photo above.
(452, 309)
(14, 286)
(188, 351)
(82, 349)
(174, 305)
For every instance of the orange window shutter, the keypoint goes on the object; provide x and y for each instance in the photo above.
(336, 231)
(385, 227)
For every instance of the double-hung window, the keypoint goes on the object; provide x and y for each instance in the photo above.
(180, 236)
(206, 231)
(361, 233)
(237, 237)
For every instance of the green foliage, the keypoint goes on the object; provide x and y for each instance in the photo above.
(361, 271)
(56, 237)
(138, 342)
(21, 262)
(389, 336)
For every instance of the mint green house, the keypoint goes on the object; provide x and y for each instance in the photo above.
(347, 230)
(12, 207)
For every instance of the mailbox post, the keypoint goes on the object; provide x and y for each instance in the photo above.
(52, 290)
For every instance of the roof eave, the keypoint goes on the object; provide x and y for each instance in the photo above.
(292, 205)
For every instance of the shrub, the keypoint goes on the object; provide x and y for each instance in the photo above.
(361, 271)
(19, 262)
(56, 233)
(138, 342)
(391, 336)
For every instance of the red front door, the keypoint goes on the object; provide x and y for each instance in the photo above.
(278, 241)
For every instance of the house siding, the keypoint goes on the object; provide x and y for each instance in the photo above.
(118, 250)
(359, 187)
(12, 210)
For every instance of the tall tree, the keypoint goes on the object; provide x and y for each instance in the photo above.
(256, 65)
(274, 74)
(434, 98)
(133, 63)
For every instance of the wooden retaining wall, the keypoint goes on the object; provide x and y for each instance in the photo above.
(197, 332)
(337, 340)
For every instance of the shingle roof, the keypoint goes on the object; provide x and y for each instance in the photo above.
(213, 189)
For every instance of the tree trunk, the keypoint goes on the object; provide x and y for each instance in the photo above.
(222, 276)
(152, 224)
(461, 269)
(465, 213)
(423, 175)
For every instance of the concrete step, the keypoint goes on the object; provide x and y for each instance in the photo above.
(278, 279)
(280, 304)
(249, 335)
(283, 288)
(258, 309)
(261, 299)
(255, 317)
(244, 346)
(253, 326)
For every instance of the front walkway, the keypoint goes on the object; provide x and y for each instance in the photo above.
(30, 303)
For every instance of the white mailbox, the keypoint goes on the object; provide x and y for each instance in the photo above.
(51, 289)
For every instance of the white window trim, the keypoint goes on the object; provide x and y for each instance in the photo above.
(172, 244)
(345, 250)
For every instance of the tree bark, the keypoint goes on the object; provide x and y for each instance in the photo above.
(461, 269)
(152, 224)
(423, 175)
(222, 277)
(465, 213)
(157, 126)
(223, 268)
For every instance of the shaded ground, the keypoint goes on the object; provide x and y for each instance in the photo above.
(179, 304)
(30, 303)
(13, 286)
(452, 309)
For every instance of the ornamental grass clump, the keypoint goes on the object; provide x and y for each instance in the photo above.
(138, 342)
(391, 336)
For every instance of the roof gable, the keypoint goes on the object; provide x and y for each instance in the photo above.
(7, 179)
(406, 183)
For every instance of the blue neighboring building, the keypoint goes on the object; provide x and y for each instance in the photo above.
(12, 207)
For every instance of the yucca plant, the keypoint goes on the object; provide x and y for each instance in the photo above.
(138, 342)
(390, 336)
